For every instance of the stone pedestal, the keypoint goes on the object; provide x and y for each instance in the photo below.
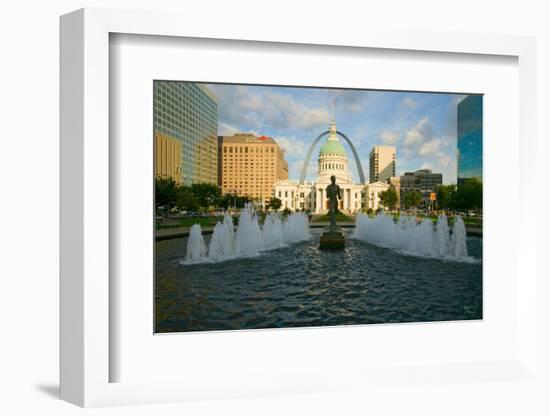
(332, 241)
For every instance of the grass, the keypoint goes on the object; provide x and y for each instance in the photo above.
(340, 217)
(188, 222)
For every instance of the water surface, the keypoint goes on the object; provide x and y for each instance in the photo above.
(300, 286)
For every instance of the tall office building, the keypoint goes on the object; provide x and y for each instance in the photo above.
(381, 163)
(250, 165)
(187, 113)
(470, 138)
(167, 158)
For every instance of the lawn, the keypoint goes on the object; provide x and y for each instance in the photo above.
(340, 217)
(189, 221)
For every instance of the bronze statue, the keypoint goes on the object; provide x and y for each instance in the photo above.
(333, 195)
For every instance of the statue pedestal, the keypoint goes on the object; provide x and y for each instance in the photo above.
(332, 241)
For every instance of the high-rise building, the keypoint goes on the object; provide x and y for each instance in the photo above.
(381, 163)
(250, 165)
(470, 138)
(188, 113)
(167, 158)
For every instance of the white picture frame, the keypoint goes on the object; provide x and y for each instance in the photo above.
(85, 211)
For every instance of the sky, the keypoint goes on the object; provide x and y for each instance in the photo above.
(422, 126)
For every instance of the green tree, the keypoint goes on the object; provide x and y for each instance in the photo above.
(389, 198)
(275, 203)
(445, 196)
(412, 199)
(242, 201)
(469, 195)
(207, 194)
(185, 200)
(165, 193)
(226, 201)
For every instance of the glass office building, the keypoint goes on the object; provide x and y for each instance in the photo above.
(188, 113)
(470, 138)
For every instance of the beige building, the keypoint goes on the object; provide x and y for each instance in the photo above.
(167, 157)
(250, 165)
(312, 196)
(381, 163)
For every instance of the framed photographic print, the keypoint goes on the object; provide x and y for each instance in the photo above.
(279, 214)
(280, 228)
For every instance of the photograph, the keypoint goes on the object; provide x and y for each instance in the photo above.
(299, 206)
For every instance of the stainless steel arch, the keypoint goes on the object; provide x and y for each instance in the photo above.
(310, 151)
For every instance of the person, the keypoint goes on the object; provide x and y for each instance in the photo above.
(333, 195)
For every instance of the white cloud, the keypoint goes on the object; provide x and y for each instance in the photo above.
(430, 148)
(423, 150)
(349, 101)
(446, 161)
(225, 129)
(420, 133)
(427, 165)
(409, 103)
(282, 110)
(259, 108)
(389, 137)
(292, 146)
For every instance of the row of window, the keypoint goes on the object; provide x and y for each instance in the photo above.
(253, 149)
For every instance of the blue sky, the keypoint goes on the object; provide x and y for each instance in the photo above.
(422, 126)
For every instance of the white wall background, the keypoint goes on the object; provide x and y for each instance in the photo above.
(29, 206)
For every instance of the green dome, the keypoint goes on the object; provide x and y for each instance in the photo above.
(332, 147)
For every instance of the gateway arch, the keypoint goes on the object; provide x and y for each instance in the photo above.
(310, 151)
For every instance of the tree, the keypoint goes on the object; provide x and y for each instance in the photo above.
(469, 195)
(389, 198)
(165, 192)
(242, 201)
(207, 194)
(445, 196)
(412, 199)
(274, 203)
(185, 200)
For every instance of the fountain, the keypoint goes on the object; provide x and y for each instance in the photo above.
(250, 238)
(196, 249)
(414, 237)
